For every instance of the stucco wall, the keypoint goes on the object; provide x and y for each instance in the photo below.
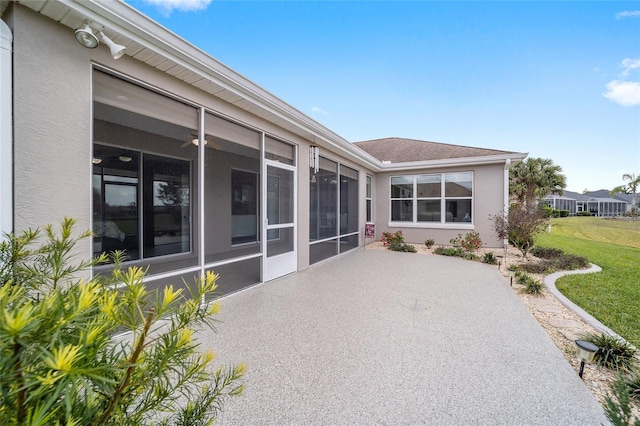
(487, 200)
(52, 121)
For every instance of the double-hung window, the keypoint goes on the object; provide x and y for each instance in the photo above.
(437, 198)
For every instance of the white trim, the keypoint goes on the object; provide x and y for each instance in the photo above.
(6, 130)
(432, 225)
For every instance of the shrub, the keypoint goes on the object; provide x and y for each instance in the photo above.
(392, 237)
(449, 251)
(546, 252)
(403, 247)
(470, 242)
(531, 285)
(554, 260)
(613, 352)
(490, 258)
(563, 213)
(617, 405)
(520, 226)
(429, 242)
(584, 214)
(76, 351)
(632, 382)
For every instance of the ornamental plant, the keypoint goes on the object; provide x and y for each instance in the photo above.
(470, 243)
(78, 351)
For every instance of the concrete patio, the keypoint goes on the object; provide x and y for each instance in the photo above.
(384, 338)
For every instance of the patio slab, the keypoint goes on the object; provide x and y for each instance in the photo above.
(378, 337)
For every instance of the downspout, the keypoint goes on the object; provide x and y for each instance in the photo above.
(507, 166)
(6, 130)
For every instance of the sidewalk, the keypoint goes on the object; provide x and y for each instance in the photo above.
(378, 337)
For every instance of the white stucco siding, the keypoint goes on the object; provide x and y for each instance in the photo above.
(52, 123)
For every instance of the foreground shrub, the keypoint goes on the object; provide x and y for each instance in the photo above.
(613, 352)
(617, 405)
(531, 285)
(632, 382)
(84, 352)
(429, 242)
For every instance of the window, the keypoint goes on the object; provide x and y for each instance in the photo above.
(369, 200)
(144, 164)
(433, 198)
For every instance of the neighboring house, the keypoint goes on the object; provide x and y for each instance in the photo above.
(598, 203)
(188, 166)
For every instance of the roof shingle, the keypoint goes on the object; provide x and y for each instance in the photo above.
(401, 150)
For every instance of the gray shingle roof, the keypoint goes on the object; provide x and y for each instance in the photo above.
(401, 150)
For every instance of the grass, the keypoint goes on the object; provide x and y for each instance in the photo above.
(613, 295)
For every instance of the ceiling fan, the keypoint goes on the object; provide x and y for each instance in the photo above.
(195, 141)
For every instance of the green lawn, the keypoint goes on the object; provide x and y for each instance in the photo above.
(613, 295)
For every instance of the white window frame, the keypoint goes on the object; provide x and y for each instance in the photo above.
(442, 198)
(368, 205)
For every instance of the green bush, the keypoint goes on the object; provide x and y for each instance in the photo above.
(617, 405)
(490, 258)
(554, 260)
(563, 213)
(470, 242)
(613, 352)
(584, 214)
(531, 285)
(79, 352)
(429, 242)
(632, 382)
(403, 247)
(449, 251)
(392, 237)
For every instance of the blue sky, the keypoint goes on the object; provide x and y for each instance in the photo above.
(559, 80)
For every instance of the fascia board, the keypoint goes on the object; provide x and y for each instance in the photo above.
(455, 162)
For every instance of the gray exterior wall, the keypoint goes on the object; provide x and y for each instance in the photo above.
(488, 199)
(53, 125)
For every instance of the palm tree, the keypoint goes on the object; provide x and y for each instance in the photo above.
(535, 178)
(630, 188)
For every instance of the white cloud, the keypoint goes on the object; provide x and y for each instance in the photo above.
(625, 93)
(167, 6)
(628, 14)
(629, 65)
(317, 110)
(621, 91)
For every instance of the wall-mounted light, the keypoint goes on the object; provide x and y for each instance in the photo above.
(97, 160)
(125, 158)
(86, 37)
(314, 158)
(117, 50)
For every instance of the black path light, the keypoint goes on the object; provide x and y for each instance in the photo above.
(586, 351)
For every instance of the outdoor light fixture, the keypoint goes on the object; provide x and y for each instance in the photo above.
(97, 160)
(117, 50)
(125, 158)
(86, 37)
(586, 351)
(314, 158)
